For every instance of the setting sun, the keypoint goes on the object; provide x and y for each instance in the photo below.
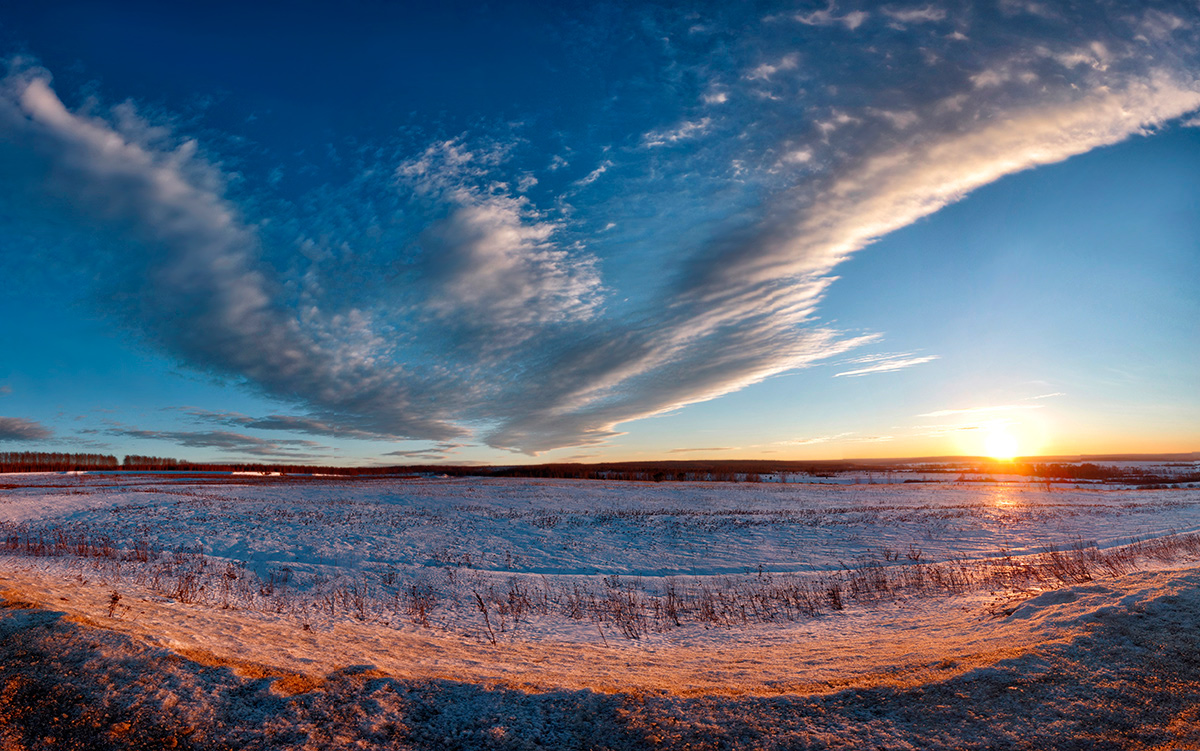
(1000, 444)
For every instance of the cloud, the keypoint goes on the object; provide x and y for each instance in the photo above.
(188, 278)
(798, 156)
(594, 175)
(826, 17)
(290, 423)
(432, 299)
(885, 364)
(226, 441)
(980, 410)
(922, 14)
(949, 429)
(741, 309)
(765, 71)
(490, 268)
(20, 429)
(684, 132)
(819, 439)
(433, 453)
(693, 451)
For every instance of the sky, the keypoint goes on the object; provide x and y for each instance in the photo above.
(519, 232)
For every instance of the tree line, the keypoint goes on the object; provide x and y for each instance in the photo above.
(41, 461)
(744, 470)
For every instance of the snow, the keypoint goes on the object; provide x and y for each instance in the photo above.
(309, 584)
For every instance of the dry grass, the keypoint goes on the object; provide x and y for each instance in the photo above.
(629, 606)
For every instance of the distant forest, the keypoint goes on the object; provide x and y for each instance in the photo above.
(36, 461)
(750, 470)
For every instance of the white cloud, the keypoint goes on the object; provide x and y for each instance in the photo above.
(491, 265)
(685, 131)
(489, 269)
(798, 156)
(700, 450)
(896, 187)
(837, 119)
(850, 437)
(1160, 25)
(886, 364)
(923, 14)
(742, 312)
(733, 313)
(897, 119)
(818, 439)
(827, 17)
(765, 71)
(449, 168)
(980, 410)
(594, 175)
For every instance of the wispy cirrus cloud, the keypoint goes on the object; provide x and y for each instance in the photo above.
(289, 423)
(884, 364)
(226, 441)
(432, 453)
(764, 71)
(594, 175)
(683, 132)
(915, 14)
(850, 437)
(941, 430)
(828, 17)
(981, 410)
(20, 429)
(813, 440)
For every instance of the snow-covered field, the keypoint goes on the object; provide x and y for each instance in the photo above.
(279, 612)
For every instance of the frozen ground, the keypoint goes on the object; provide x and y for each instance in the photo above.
(442, 613)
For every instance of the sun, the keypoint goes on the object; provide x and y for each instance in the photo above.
(1000, 444)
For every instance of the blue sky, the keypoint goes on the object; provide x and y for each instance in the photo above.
(599, 231)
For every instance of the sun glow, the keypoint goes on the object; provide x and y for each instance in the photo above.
(1001, 444)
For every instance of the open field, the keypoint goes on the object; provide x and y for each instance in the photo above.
(227, 611)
